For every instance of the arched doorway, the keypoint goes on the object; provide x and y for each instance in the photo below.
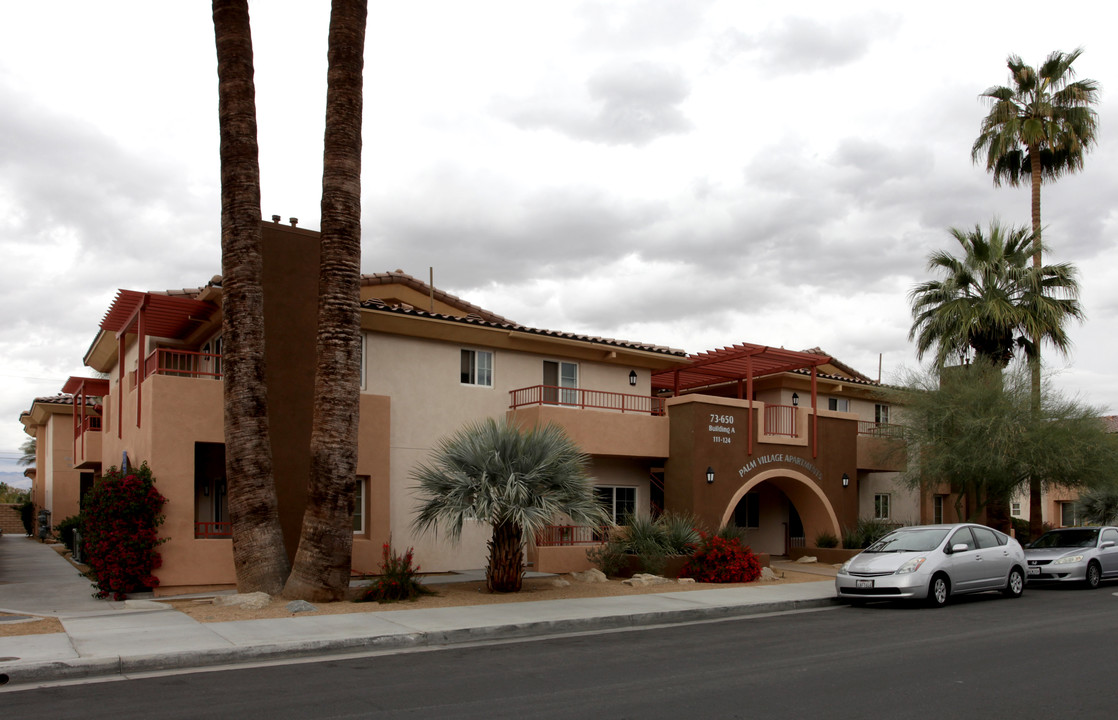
(772, 503)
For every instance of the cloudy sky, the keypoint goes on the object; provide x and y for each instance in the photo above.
(691, 173)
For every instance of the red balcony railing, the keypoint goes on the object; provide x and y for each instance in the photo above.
(92, 422)
(183, 363)
(212, 530)
(565, 535)
(876, 429)
(780, 420)
(579, 398)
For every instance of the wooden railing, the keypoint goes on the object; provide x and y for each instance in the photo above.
(780, 420)
(580, 398)
(183, 363)
(213, 530)
(564, 535)
(876, 429)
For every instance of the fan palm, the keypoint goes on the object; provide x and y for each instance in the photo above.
(1039, 126)
(991, 301)
(516, 481)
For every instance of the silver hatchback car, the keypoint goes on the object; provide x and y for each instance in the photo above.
(932, 563)
(1085, 555)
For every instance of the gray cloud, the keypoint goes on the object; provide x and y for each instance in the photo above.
(801, 45)
(629, 104)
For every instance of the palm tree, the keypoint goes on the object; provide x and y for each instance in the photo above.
(28, 448)
(991, 301)
(323, 560)
(259, 556)
(1100, 505)
(516, 481)
(1039, 126)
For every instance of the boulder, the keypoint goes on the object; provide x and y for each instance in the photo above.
(249, 601)
(298, 606)
(806, 559)
(560, 582)
(767, 574)
(643, 579)
(593, 575)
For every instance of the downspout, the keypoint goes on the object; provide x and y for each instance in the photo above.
(749, 393)
(814, 417)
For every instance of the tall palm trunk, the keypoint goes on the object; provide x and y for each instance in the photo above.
(506, 558)
(323, 559)
(1036, 503)
(258, 551)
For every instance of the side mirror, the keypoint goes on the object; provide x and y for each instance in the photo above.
(1106, 544)
(959, 547)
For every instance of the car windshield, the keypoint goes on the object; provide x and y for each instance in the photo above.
(1079, 537)
(909, 540)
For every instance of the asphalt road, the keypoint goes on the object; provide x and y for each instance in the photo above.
(1052, 653)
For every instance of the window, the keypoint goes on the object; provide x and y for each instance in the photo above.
(881, 506)
(1015, 508)
(211, 360)
(937, 509)
(618, 502)
(560, 380)
(1067, 515)
(838, 404)
(1109, 535)
(962, 537)
(985, 537)
(747, 514)
(477, 368)
(881, 414)
(359, 507)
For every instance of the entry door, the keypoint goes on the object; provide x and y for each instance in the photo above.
(560, 381)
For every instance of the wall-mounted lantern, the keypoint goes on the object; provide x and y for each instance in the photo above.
(632, 377)
(710, 475)
(795, 400)
(845, 480)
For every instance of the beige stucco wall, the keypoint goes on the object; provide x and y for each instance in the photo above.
(904, 503)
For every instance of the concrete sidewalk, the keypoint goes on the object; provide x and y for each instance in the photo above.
(106, 638)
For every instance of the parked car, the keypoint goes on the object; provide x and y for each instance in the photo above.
(933, 563)
(1086, 555)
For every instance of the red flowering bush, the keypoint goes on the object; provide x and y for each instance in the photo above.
(721, 560)
(119, 522)
(398, 579)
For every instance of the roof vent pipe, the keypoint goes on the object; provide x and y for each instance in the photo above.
(275, 218)
(293, 221)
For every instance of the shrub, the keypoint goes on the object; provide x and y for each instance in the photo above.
(121, 518)
(398, 579)
(826, 540)
(680, 532)
(646, 540)
(27, 516)
(65, 530)
(610, 558)
(732, 532)
(721, 560)
(865, 533)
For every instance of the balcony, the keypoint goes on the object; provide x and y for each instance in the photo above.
(568, 535)
(781, 420)
(879, 429)
(598, 421)
(183, 363)
(586, 399)
(880, 446)
(213, 530)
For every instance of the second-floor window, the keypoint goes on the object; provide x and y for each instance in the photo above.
(838, 404)
(477, 368)
(560, 381)
(881, 414)
(618, 502)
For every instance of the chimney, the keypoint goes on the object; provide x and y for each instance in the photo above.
(293, 221)
(275, 218)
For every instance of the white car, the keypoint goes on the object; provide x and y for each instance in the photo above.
(1086, 555)
(932, 563)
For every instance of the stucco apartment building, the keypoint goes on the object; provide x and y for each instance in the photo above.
(786, 444)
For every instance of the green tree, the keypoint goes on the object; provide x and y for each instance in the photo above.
(516, 481)
(972, 427)
(259, 556)
(1100, 505)
(989, 299)
(1039, 127)
(13, 495)
(324, 557)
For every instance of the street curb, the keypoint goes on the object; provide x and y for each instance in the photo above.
(14, 676)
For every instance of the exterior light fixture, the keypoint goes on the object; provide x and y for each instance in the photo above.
(795, 400)
(710, 475)
(845, 480)
(632, 377)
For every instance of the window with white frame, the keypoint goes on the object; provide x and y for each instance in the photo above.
(838, 404)
(477, 368)
(618, 502)
(881, 506)
(560, 381)
(359, 506)
(881, 414)
(1015, 508)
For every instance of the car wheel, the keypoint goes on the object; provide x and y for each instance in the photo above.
(1094, 575)
(1015, 585)
(939, 591)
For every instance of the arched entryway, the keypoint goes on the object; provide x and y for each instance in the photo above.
(772, 500)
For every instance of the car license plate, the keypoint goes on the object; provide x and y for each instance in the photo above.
(1034, 571)
(863, 583)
